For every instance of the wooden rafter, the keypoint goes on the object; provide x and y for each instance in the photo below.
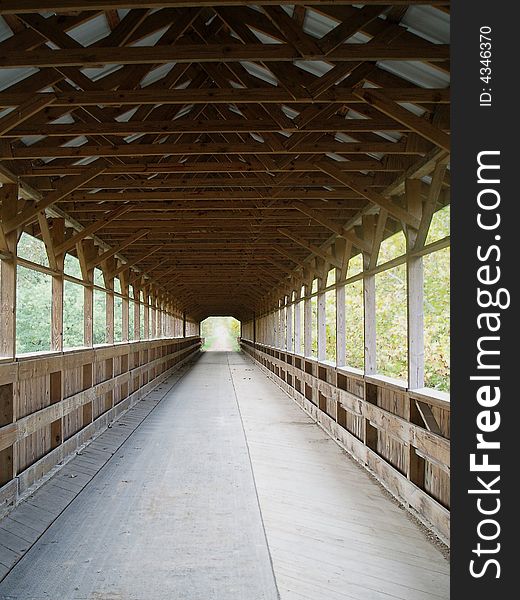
(225, 157)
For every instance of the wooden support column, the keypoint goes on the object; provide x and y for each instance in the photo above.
(277, 326)
(57, 235)
(290, 322)
(153, 302)
(415, 275)
(146, 312)
(86, 252)
(283, 324)
(322, 326)
(307, 322)
(8, 241)
(125, 320)
(108, 267)
(369, 300)
(159, 316)
(297, 326)
(137, 313)
(341, 341)
(415, 292)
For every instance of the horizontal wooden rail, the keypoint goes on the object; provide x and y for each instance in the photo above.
(54, 402)
(400, 435)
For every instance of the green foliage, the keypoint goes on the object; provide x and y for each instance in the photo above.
(440, 225)
(331, 277)
(300, 307)
(392, 247)
(355, 265)
(100, 316)
(118, 318)
(330, 325)
(32, 249)
(354, 319)
(392, 323)
(73, 299)
(131, 320)
(437, 320)
(33, 311)
(220, 333)
(71, 266)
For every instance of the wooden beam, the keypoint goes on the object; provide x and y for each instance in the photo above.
(310, 247)
(269, 95)
(332, 125)
(355, 184)
(115, 250)
(64, 6)
(418, 124)
(305, 44)
(67, 186)
(47, 240)
(378, 237)
(349, 27)
(187, 53)
(90, 229)
(430, 205)
(234, 166)
(25, 111)
(133, 262)
(338, 229)
(196, 149)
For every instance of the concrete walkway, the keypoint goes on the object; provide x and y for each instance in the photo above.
(228, 491)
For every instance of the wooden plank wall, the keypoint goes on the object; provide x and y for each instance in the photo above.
(53, 403)
(377, 423)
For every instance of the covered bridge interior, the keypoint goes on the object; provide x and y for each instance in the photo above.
(284, 163)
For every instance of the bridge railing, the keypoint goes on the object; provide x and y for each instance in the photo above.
(402, 436)
(53, 403)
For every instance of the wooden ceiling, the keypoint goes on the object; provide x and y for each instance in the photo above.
(221, 147)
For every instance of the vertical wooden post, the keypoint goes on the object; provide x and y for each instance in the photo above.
(322, 327)
(290, 322)
(125, 320)
(415, 292)
(277, 325)
(415, 276)
(137, 312)
(341, 341)
(297, 325)
(8, 210)
(108, 268)
(153, 302)
(146, 300)
(8, 242)
(307, 322)
(57, 235)
(369, 300)
(86, 250)
(159, 315)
